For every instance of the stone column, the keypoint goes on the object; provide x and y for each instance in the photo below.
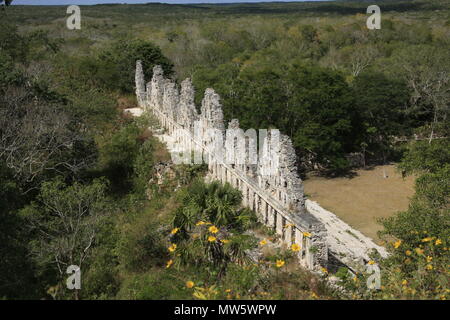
(217, 175)
(264, 211)
(251, 198)
(299, 240)
(309, 256)
(279, 224)
(140, 84)
(148, 94)
(223, 174)
(157, 88)
(245, 195)
(270, 216)
(319, 258)
(211, 168)
(288, 233)
(257, 206)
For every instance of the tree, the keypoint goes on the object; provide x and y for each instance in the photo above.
(419, 258)
(65, 220)
(361, 57)
(116, 65)
(309, 33)
(380, 103)
(118, 157)
(208, 202)
(428, 212)
(427, 72)
(38, 136)
(312, 105)
(423, 157)
(212, 213)
(5, 3)
(17, 280)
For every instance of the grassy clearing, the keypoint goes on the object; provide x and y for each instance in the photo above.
(362, 199)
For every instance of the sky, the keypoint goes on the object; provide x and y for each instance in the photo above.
(87, 2)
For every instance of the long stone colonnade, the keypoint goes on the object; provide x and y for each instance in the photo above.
(278, 200)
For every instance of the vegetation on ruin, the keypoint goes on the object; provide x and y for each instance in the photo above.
(77, 178)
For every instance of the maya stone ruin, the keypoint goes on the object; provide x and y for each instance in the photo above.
(277, 199)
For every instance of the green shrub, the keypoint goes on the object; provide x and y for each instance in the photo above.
(155, 285)
(143, 167)
(141, 245)
(118, 155)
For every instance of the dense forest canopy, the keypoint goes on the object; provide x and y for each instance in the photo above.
(77, 179)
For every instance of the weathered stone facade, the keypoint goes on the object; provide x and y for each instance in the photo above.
(278, 199)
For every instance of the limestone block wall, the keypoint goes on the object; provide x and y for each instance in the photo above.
(278, 199)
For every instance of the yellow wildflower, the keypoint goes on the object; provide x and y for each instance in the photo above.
(427, 239)
(263, 242)
(280, 263)
(212, 238)
(169, 263)
(189, 284)
(429, 267)
(213, 229)
(295, 247)
(324, 270)
(355, 278)
(306, 234)
(200, 223)
(224, 241)
(408, 252)
(429, 259)
(371, 262)
(173, 247)
(438, 242)
(419, 251)
(404, 282)
(228, 290)
(397, 244)
(174, 230)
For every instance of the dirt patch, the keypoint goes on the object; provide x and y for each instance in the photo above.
(360, 200)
